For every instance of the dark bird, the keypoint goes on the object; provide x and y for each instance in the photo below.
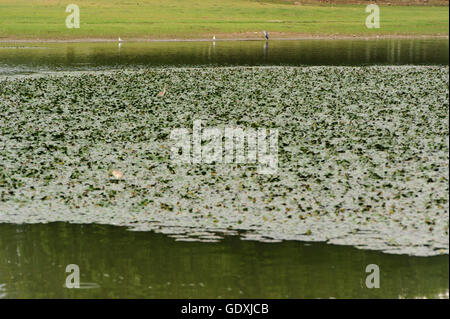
(266, 35)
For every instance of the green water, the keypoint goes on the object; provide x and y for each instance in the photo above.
(117, 263)
(35, 57)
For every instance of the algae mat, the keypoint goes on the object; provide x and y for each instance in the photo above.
(362, 153)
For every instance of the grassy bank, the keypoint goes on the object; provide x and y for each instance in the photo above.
(170, 19)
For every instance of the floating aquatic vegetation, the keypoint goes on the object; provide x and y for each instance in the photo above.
(363, 153)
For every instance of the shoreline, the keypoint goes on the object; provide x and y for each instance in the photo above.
(224, 39)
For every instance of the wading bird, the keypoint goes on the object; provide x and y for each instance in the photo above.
(120, 40)
(214, 38)
(266, 34)
(163, 92)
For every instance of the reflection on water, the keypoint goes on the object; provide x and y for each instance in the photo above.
(117, 263)
(21, 58)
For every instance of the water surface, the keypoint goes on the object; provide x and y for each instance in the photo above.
(118, 263)
(38, 57)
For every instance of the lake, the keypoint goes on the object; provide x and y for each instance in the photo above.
(37, 57)
(117, 263)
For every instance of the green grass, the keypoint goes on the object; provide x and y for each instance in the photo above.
(202, 18)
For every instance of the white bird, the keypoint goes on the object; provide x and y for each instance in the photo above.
(120, 40)
(214, 38)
